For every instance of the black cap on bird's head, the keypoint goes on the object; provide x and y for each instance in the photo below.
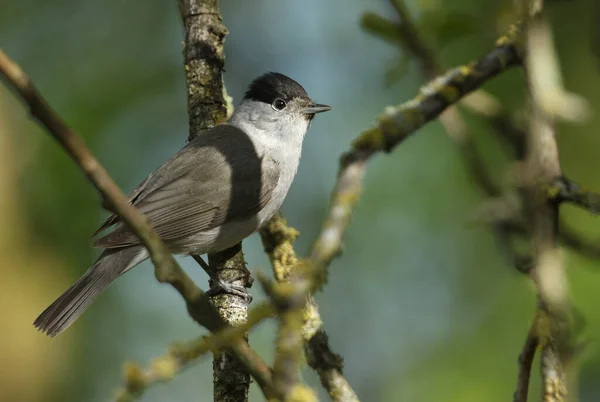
(277, 89)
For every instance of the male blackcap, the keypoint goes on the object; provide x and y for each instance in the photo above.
(220, 188)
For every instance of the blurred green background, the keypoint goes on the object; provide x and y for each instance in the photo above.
(422, 306)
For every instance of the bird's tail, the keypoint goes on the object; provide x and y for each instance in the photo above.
(71, 304)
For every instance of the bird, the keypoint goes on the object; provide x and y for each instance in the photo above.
(221, 187)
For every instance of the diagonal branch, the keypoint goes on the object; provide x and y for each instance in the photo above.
(393, 127)
(525, 364)
(165, 267)
(180, 357)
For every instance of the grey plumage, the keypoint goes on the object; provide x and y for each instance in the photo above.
(188, 195)
(216, 191)
(71, 304)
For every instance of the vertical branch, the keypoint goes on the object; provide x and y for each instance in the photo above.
(230, 376)
(204, 60)
(541, 168)
(207, 106)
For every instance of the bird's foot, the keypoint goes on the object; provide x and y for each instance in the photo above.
(219, 286)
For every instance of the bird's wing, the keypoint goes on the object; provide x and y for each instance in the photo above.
(192, 191)
(114, 218)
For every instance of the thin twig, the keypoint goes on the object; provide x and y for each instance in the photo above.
(525, 364)
(565, 190)
(278, 239)
(407, 35)
(395, 126)
(180, 357)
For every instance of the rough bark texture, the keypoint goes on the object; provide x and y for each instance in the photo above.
(207, 106)
(204, 60)
(231, 378)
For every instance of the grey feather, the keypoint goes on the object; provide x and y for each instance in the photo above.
(71, 304)
(216, 191)
(190, 193)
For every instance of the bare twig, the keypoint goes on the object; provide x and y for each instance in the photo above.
(180, 357)
(289, 301)
(565, 190)
(330, 367)
(525, 363)
(278, 239)
(542, 168)
(208, 106)
(395, 126)
(407, 35)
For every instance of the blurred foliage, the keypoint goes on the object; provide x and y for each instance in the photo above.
(421, 306)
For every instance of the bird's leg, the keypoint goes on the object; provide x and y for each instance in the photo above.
(219, 286)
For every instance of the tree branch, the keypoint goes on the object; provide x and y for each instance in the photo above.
(542, 168)
(180, 357)
(565, 190)
(165, 267)
(278, 239)
(394, 126)
(208, 106)
(525, 364)
(204, 61)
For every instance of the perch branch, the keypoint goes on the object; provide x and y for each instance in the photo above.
(207, 106)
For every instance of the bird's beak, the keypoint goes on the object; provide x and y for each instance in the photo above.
(316, 108)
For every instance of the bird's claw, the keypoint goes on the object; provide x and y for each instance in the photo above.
(218, 286)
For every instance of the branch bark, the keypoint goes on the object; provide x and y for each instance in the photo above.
(395, 126)
(541, 169)
(525, 364)
(278, 239)
(207, 107)
(180, 356)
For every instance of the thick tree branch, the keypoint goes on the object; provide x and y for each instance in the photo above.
(208, 106)
(204, 61)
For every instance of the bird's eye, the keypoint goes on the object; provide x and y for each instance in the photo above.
(279, 104)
